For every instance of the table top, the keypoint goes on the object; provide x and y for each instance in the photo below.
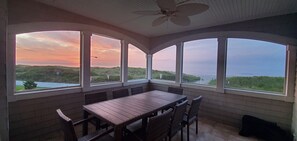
(122, 111)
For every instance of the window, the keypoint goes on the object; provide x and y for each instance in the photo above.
(46, 60)
(136, 63)
(200, 62)
(255, 65)
(105, 60)
(164, 63)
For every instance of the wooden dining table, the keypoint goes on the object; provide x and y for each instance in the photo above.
(121, 112)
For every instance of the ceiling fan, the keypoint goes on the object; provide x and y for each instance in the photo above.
(177, 13)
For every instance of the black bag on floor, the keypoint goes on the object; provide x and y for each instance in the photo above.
(268, 131)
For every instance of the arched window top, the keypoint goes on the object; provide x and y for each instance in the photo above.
(164, 63)
(136, 63)
(256, 65)
(139, 41)
(164, 42)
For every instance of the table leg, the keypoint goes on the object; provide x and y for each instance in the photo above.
(85, 124)
(144, 122)
(118, 133)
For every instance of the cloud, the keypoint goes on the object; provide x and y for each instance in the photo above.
(136, 57)
(48, 48)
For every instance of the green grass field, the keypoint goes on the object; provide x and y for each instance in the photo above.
(19, 88)
(22, 88)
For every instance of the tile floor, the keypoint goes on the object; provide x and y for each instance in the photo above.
(213, 131)
(208, 131)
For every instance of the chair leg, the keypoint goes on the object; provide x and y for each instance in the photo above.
(188, 132)
(197, 126)
(181, 134)
(97, 125)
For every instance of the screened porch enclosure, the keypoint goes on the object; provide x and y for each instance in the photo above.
(241, 58)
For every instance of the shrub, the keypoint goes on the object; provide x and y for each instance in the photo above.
(29, 84)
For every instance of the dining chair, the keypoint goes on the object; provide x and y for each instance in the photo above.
(156, 129)
(192, 115)
(93, 98)
(136, 90)
(69, 133)
(175, 90)
(120, 93)
(177, 119)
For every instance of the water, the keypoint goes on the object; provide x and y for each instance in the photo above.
(48, 84)
(205, 79)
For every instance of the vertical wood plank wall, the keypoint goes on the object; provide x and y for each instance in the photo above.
(36, 119)
(294, 117)
(229, 109)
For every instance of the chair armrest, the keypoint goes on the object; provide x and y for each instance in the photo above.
(94, 138)
(82, 121)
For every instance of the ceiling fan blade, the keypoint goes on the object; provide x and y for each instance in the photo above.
(147, 12)
(167, 4)
(190, 9)
(180, 20)
(159, 21)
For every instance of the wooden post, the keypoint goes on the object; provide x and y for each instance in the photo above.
(3, 87)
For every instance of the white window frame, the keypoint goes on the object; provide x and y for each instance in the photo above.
(289, 87)
(137, 81)
(289, 77)
(85, 66)
(177, 69)
(104, 85)
(11, 78)
(219, 74)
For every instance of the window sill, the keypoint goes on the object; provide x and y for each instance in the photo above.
(104, 86)
(136, 81)
(43, 93)
(266, 95)
(200, 87)
(165, 82)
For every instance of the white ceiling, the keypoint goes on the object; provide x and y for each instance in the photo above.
(119, 13)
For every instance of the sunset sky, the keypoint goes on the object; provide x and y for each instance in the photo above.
(61, 48)
(48, 48)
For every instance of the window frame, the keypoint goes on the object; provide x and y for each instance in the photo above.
(132, 81)
(222, 36)
(85, 66)
(200, 86)
(122, 55)
(178, 64)
(245, 91)
(289, 86)
(12, 67)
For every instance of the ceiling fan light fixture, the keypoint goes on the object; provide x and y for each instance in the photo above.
(177, 13)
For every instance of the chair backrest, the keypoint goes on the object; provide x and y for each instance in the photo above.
(136, 90)
(67, 127)
(158, 126)
(177, 117)
(96, 97)
(120, 93)
(175, 90)
(194, 107)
